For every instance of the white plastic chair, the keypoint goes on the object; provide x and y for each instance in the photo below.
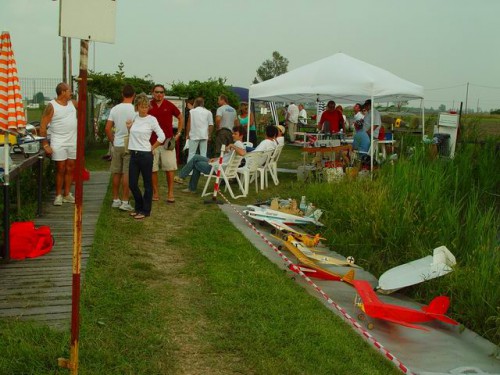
(228, 171)
(264, 167)
(250, 171)
(273, 165)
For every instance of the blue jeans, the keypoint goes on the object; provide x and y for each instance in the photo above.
(141, 163)
(198, 165)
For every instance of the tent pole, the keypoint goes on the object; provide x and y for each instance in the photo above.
(371, 136)
(249, 115)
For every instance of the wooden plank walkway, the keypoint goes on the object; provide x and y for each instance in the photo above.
(40, 288)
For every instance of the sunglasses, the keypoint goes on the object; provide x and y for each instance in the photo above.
(159, 92)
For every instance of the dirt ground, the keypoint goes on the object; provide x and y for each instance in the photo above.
(187, 326)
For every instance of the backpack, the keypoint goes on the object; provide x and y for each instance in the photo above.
(26, 241)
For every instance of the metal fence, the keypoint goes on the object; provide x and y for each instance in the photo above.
(32, 87)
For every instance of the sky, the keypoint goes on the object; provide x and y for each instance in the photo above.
(439, 44)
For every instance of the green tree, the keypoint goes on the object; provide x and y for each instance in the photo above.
(110, 85)
(271, 68)
(39, 98)
(209, 90)
(400, 104)
(442, 108)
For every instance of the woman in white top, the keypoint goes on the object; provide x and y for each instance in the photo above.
(141, 155)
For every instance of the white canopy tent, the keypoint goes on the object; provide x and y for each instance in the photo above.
(341, 78)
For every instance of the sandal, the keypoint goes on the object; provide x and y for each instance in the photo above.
(156, 199)
(133, 214)
(139, 216)
(171, 200)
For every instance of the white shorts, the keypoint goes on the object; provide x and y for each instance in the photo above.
(165, 160)
(62, 153)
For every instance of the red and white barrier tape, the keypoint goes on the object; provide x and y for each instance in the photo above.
(358, 328)
(217, 176)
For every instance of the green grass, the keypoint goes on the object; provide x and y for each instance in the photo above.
(172, 295)
(184, 292)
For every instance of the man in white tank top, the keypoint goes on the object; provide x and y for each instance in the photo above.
(60, 113)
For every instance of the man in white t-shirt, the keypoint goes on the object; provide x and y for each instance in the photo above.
(120, 159)
(292, 117)
(224, 122)
(199, 128)
(270, 142)
(368, 120)
(302, 115)
(60, 113)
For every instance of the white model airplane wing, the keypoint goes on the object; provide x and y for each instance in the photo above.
(417, 271)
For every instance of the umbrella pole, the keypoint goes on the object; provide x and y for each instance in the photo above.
(6, 199)
(72, 364)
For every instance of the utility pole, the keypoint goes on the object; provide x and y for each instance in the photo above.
(64, 64)
(466, 99)
(70, 66)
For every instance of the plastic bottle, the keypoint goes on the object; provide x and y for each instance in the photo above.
(303, 204)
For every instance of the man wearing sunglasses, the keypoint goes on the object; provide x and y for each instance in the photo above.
(165, 159)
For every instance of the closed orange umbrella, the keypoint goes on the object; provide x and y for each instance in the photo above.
(11, 101)
(11, 119)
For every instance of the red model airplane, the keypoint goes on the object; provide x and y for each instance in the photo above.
(375, 308)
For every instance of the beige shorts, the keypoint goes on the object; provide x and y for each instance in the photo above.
(120, 160)
(164, 160)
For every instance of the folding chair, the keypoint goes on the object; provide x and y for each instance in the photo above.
(272, 168)
(264, 166)
(228, 171)
(250, 171)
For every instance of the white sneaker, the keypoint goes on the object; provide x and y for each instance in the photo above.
(125, 206)
(69, 198)
(58, 201)
(116, 203)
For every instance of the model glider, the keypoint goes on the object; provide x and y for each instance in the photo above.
(417, 271)
(263, 213)
(375, 308)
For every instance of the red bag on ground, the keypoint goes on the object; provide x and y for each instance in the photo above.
(85, 175)
(26, 241)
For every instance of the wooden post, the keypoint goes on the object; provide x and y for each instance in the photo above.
(72, 364)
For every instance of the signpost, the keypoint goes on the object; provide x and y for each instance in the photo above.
(74, 22)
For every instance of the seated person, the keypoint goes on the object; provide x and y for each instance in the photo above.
(200, 164)
(280, 139)
(361, 141)
(270, 142)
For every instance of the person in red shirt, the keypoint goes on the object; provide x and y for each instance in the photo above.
(164, 159)
(331, 120)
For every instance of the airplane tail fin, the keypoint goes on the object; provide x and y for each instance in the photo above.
(437, 308)
(438, 305)
(349, 277)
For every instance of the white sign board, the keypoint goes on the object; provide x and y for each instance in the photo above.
(448, 124)
(447, 119)
(90, 19)
(179, 103)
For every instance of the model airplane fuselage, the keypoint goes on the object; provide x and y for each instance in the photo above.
(268, 215)
(372, 306)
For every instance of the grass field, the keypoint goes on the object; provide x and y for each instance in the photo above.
(184, 292)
